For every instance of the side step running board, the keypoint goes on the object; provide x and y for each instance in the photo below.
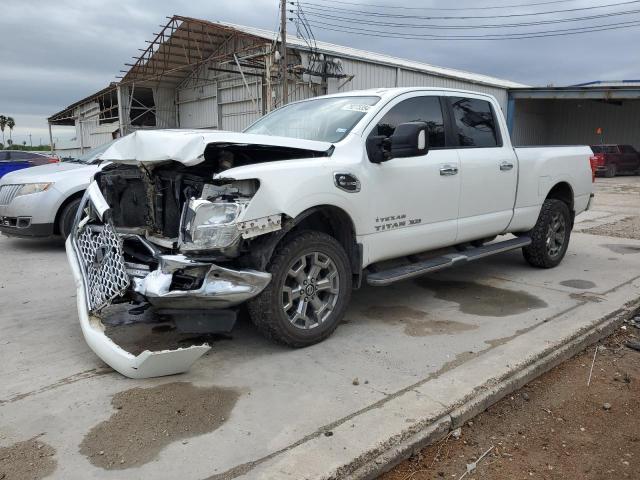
(403, 272)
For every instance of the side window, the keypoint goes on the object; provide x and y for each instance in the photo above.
(476, 125)
(627, 149)
(4, 156)
(22, 156)
(417, 109)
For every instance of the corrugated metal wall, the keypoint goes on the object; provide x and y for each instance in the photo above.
(164, 99)
(238, 106)
(93, 134)
(198, 106)
(211, 99)
(574, 122)
(371, 75)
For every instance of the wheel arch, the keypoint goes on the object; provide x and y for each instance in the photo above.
(329, 219)
(564, 192)
(63, 205)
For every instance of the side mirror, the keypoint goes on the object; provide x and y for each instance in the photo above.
(408, 140)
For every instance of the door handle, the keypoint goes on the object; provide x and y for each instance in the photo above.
(448, 170)
(505, 166)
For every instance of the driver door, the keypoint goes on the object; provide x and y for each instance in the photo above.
(416, 204)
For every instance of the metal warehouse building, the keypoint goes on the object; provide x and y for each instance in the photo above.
(200, 74)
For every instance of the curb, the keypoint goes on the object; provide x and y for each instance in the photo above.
(441, 427)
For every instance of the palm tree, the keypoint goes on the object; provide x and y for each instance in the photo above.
(10, 123)
(3, 123)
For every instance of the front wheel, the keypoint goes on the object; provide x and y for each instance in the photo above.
(550, 236)
(67, 217)
(611, 171)
(309, 290)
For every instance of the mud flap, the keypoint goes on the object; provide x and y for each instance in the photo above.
(145, 365)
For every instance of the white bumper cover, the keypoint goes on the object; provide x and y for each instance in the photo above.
(147, 364)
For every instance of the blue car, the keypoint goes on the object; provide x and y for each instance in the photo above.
(12, 160)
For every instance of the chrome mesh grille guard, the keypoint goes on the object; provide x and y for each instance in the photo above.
(99, 251)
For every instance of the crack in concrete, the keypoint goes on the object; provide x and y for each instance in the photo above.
(76, 377)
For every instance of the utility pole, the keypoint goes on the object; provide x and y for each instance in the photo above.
(283, 46)
(30, 142)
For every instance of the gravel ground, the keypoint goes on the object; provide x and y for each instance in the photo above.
(29, 460)
(556, 427)
(627, 228)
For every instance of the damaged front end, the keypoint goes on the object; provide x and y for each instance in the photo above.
(167, 237)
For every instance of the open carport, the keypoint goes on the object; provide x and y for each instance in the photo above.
(592, 113)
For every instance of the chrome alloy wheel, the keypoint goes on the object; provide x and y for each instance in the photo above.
(556, 234)
(310, 290)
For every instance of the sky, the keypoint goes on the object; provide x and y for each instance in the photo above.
(56, 52)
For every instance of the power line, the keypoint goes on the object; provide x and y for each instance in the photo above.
(313, 8)
(400, 7)
(343, 19)
(512, 36)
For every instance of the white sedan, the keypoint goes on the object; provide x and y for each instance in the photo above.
(42, 201)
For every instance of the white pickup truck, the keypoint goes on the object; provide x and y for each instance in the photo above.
(311, 201)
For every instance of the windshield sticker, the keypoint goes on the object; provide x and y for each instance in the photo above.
(341, 130)
(356, 107)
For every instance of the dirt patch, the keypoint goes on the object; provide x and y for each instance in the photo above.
(578, 284)
(586, 297)
(622, 249)
(416, 322)
(28, 460)
(556, 427)
(484, 300)
(148, 419)
(627, 228)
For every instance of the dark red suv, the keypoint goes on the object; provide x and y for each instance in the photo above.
(611, 160)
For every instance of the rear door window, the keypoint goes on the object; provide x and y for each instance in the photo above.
(4, 156)
(475, 123)
(417, 109)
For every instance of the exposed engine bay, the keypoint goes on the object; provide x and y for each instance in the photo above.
(185, 208)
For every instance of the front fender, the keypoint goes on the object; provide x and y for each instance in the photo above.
(298, 186)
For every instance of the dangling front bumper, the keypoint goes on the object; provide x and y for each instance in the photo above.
(95, 253)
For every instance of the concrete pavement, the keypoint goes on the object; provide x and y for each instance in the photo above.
(411, 362)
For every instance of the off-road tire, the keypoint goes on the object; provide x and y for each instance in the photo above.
(537, 253)
(266, 309)
(67, 217)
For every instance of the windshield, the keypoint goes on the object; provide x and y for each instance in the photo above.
(322, 119)
(92, 155)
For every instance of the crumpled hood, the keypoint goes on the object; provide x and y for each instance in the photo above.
(49, 173)
(188, 146)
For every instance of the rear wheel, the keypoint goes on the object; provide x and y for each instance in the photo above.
(308, 293)
(550, 236)
(67, 217)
